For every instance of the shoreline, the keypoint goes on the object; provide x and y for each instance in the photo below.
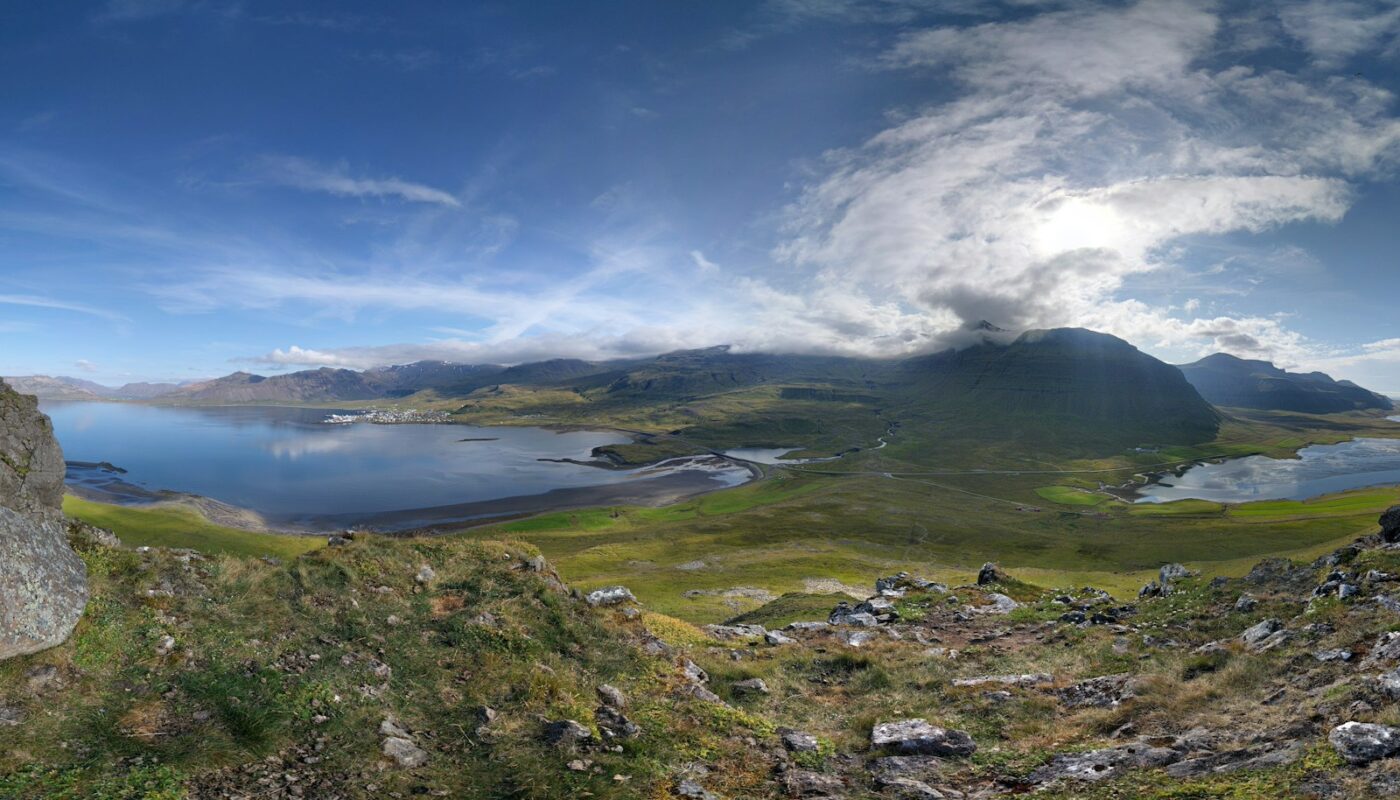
(103, 485)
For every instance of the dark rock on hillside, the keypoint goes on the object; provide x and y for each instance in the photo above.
(1229, 381)
(43, 583)
(1390, 525)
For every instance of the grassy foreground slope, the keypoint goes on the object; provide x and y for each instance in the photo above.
(282, 673)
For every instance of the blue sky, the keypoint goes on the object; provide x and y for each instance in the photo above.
(189, 187)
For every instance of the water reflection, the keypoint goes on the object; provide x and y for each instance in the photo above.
(1318, 470)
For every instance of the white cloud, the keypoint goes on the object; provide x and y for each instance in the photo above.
(85, 365)
(704, 264)
(1088, 146)
(1334, 31)
(302, 174)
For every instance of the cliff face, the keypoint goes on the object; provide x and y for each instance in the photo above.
(43, 583)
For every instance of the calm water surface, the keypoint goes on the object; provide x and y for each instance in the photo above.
(1319, 470)
(285, 462)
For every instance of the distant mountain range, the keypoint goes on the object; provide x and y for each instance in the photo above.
(1239, 383)
(1050, 387)
(64, 388)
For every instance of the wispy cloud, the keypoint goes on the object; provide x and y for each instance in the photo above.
(35, 301)
(303, 174)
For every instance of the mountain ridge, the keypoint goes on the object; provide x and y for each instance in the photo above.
(1230, 381)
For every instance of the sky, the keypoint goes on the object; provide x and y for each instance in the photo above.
(192, 187)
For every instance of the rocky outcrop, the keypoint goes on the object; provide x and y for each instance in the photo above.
(43, 585)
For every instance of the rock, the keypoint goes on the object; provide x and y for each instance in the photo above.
(1106, 691)
(1001, 604)
(795, 741)
(881, 608)
(1348, 590)
(910, 789)
(1096, 765)
(1389, 683)
(404, 752)
(806, 627)
(43, 586)
(1337, 654)
(807, 783)
(1385, 650)
(612, 697)
(700, 693)
(989, 573)
(10, 717)
(391, 727)
(1028, 679)
(1245, 604)
(31, 462)
(165, 645)
(610, 596)
(730, 632)
(613, 725)
(917, 736)
(566, 733)
(1362, 742)
(694, 673)
(1390, 525)
(856, 638)
(425, 575)
(776, 638)
(693, 791)
(751, 686)
(1153, 589)
(843, 614)
(1255, 634)
(1170, 573)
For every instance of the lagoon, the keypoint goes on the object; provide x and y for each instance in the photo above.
(293, 468)
(1318, 470)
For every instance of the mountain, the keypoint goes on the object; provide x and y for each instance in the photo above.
(64, 388)
(309, 386)
(45, 387)
(1067, 386)
(1229, 381)
(401, 380)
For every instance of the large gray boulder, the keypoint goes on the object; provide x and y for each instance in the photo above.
(43, 583)
(1390, 524)
(31, 463)
(1363, 742)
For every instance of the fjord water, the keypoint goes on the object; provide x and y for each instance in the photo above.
(1318, 470)
(287, 464)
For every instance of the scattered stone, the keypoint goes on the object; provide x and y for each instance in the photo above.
(776, 638)
(404, 752)
(693, 791)
(1389, 683)
(795, 741)
(1254, 635)
(807, 783)
(612, 697)
(917, 736)
(610, 596)
(909, 789)
(1106, 691)
(566, 733)
(1385, 650)
(1336, 654)
(579, 765)
(1347, 591)
(1363, 742)
(694, 673)
(425, 575)
(165, 645)
(1025, 680)
(1096, 765)
(989, 573)
(751, 686)
(806, 627)
(10, 717)
(843, 614)
(613, 725)
(1245, 604)
(1001, 604)
(1170, 573)
(730, 632)
(856, 638)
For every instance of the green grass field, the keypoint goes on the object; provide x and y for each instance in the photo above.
(175, 526)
